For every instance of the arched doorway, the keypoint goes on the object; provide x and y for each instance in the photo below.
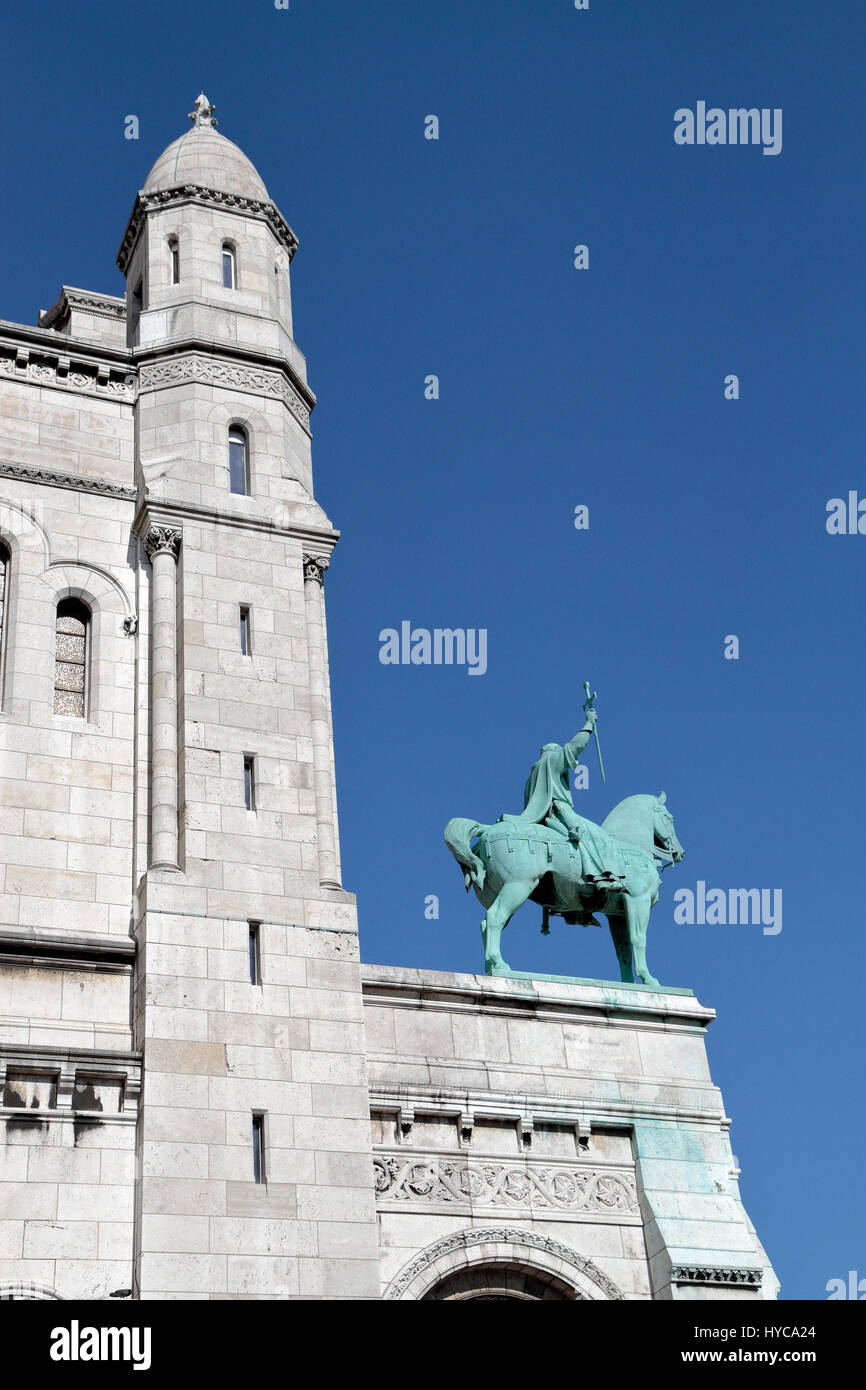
(495, 1283)
(498, 1262)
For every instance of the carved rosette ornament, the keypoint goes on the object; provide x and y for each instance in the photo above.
(315, 566)
(732, 1277)
(162, 540)
(443, 1182)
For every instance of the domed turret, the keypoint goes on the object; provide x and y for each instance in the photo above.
(215, 261)
(203, 157)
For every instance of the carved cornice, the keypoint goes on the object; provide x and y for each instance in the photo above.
(101, 306)
(39, 942)
(452, 1183)
(730, 1277)
(163, 540)
(315, 566)
(216, 371)
(500, 1235)
(283, 528)
(48, 477)
(213, 197)
(56, 369)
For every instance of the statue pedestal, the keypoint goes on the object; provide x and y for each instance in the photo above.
(582, 980)
(570, 1129)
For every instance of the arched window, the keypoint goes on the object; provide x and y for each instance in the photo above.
(174, 252)
(4, 608)
(24, 1289)
(71, 658)
(229, 267)
(239, 460)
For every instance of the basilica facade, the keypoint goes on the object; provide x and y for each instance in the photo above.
(204, 1094)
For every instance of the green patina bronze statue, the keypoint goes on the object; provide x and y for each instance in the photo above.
(567, 864)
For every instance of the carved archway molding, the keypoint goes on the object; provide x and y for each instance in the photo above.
(94, 584)
(486, 1245)
(20, 1288)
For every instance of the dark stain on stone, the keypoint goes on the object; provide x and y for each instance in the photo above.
(82, 1125)
(11, 1097)
(84, 1097)
(25, 1122)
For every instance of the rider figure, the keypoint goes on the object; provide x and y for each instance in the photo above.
(547, 800)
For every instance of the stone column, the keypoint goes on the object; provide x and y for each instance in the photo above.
(314, 594)
(162, 544)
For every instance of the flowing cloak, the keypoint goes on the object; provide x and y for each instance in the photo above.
(548, 781)
(546, 786)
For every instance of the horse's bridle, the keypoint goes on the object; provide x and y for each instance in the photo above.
(664, 852)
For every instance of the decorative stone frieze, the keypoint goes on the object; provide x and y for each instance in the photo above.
(213, 197)
(100, 306)
(451, 1183)
(215, 371)
(93, 379)
(706, 1274)
(51, 478)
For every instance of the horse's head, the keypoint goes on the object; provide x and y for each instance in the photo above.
(664, 834)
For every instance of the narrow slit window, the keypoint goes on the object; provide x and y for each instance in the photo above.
(136, 306)
(239, 461)
(250, 783)
(246, 648)
(229, 267)
(174, 251)
(258, 1148)
(71, 657)
(255, 953)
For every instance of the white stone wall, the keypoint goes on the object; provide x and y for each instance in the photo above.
(66, 820)
(218, 1048)
(572, 1130)
(129, 826)
(67, 1167)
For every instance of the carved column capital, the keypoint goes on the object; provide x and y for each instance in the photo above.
(161, 540)
(315, 566)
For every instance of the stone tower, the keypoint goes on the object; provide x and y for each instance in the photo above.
(174, 919)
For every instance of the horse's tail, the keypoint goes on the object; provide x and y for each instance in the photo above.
(459, 833)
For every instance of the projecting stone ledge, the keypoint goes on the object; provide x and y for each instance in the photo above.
(525, 990)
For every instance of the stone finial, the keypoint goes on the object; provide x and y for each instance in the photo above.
(202, 113)
(162, 539)
(315, 566)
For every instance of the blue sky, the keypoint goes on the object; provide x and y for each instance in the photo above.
(558, 387)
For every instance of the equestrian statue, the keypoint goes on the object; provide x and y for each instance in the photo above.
(567, 864)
